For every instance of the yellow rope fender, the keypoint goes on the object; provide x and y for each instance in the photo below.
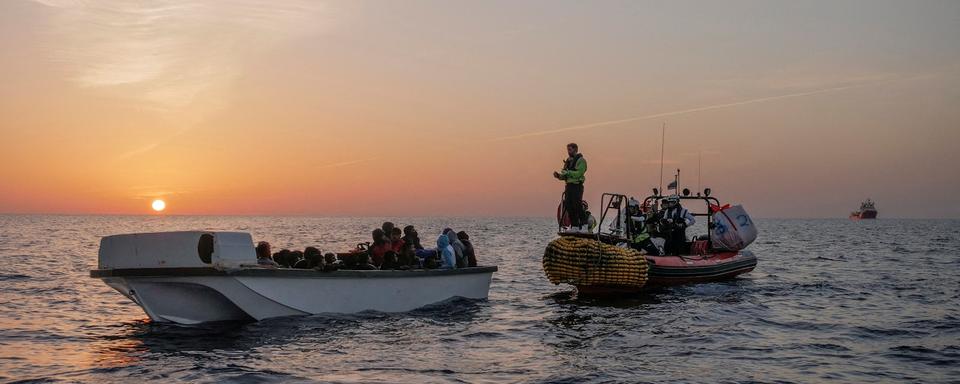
(583, 261)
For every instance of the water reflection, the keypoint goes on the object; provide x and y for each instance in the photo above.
(143, 337)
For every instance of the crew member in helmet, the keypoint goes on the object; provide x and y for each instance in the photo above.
(637, 229)
(674, 220)
(591, 220)
(572, 174)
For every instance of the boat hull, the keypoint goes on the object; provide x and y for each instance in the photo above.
(676, 270)
(198, 295)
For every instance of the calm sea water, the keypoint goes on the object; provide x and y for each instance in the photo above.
(831, 301)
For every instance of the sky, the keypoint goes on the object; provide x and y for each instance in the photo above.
(463, 108)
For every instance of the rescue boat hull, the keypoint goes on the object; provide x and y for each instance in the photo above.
(676, 270)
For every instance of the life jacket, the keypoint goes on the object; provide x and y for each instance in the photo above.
(638, 230)
(397, 245)
(678, 214)
(570, 164)
(377, 252)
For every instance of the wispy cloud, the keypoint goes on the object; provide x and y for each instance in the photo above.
(175, 57)
(167, 53)
(607, 123)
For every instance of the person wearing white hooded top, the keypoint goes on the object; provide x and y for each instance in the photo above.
(448, 259)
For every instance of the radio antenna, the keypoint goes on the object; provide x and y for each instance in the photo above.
(699, 168)
(663, 135)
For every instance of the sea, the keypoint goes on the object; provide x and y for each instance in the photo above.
(830, 301)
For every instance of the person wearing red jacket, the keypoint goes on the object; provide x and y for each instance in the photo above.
(396, 241)
(379, 247)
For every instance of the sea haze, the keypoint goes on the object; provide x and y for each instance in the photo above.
(831, 300)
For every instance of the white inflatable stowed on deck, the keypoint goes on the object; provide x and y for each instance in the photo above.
(733, 229)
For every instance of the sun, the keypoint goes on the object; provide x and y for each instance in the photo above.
(158, 205)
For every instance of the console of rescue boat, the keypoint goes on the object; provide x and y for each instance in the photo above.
(202, 276)
(717, 255)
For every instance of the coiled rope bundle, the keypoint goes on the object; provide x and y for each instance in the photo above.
(583, 261)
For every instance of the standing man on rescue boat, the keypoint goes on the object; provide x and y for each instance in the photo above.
(674, 219)
(572, 175)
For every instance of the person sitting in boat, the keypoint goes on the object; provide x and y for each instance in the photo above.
(295, 258)
(390, 261)
(348, 261)
(407, 258)
(431, 260)
(282, 258)
(363, 263)
(396, 240)
(387, 228)
(448, 260)
(330, 262)
(674, 220)
(457, 247)
(312, 258)
(379, 247)
(591, 221)
(264, 258)
(468, 250)
(637, 229)
(410, 235)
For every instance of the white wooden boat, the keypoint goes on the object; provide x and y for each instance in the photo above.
(202, 276)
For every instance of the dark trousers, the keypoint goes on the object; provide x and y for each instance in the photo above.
(573, 204)
(675, 241)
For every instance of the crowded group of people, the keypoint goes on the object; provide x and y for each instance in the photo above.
(391, 248)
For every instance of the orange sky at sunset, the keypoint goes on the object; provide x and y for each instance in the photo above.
(800, 109)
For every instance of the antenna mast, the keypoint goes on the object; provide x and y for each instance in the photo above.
(699, 168)
(663, 134)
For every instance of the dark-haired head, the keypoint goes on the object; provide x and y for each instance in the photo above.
(387, 227)
(463, 235)
(379, 236)
(313, 256)
(283, 257)
(263, 250)
(330, 257)
(295, 256)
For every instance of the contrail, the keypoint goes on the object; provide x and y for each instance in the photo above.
(680, 112)
(346, 163)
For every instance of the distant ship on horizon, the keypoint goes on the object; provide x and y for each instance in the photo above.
(868, 210)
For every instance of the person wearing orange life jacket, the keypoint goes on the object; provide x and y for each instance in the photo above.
(572, 174)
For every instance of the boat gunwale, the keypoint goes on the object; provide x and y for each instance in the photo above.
(285, 272)
(700, 270)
